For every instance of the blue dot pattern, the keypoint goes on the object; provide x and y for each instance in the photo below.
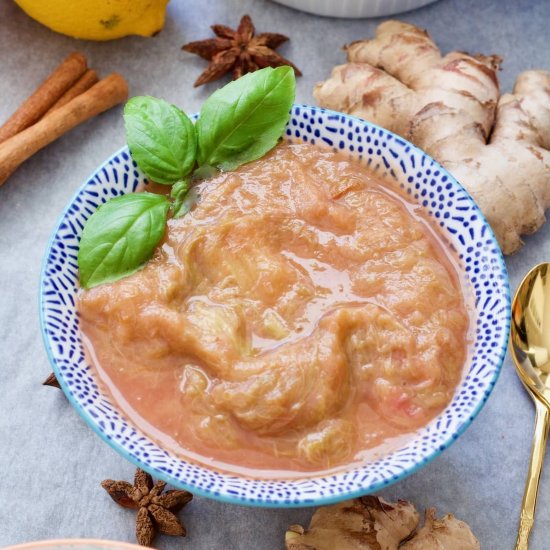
(428, 184)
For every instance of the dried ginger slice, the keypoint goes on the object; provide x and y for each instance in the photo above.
(450, 106)
(446, 533)
(371, 523)
(359, 524)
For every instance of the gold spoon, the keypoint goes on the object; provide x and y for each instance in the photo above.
(530, 348)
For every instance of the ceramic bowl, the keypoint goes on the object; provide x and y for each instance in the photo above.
(75, 544)
(460, 223)
(355, 8)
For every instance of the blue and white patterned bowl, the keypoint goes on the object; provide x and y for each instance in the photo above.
(461, 224)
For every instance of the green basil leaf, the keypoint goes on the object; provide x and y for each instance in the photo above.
(120, 236)
(242, 121)
(180, 193)
(161, 138)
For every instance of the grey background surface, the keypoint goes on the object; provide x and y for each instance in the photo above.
(51, 463)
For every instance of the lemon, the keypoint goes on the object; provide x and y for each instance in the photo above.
(98, 19)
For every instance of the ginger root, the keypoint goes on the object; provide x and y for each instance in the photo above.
(446, 533)
(361, 523)
(371, 523)
(450, 106)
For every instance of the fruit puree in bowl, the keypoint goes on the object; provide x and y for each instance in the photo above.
(303, 315)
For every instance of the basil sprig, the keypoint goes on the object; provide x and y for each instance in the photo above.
(239, 123)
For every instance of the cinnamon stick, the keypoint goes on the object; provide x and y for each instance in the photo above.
(45, 96)
(107, 93)
(85, 82)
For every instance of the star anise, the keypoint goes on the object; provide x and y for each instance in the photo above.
(156, 511)
(51, 381)
(240, 51)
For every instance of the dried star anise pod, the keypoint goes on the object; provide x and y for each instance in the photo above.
(239, 51)
(51, 381)
(156, 511)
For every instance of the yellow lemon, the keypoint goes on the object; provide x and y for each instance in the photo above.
(98, 19)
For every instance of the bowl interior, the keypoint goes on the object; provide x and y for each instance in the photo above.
(460, 223)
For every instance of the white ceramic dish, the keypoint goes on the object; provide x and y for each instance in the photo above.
(355, 8)
(75, 544)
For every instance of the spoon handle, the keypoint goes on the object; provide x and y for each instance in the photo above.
(540, 437)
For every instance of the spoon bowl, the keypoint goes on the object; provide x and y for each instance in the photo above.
(530, 350)
(530, 331)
